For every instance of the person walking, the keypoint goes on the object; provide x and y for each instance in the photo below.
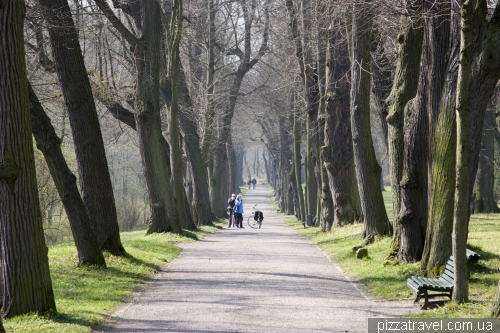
(230, 208)
(238, 211)
(254, 181)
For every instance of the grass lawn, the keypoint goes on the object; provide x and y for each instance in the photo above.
(387, 279)
(85, 296)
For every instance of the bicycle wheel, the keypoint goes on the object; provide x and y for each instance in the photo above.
(252, 223)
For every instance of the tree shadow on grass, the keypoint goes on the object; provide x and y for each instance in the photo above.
(189, 234)
(65, 318)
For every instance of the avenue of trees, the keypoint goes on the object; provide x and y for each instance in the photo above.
(173, 104)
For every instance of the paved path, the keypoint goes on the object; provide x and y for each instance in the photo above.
(248, 280)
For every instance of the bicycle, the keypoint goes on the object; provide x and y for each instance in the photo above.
(255, 220)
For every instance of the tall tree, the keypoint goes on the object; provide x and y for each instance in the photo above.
(337, 151)
(95, 181)
(437, 247)
(24, 267)
(301, 35)
(173, 62)
(89, 252)
(404, 89)
(246, 61)
(147, 16)
(367, 169)
(480, 77)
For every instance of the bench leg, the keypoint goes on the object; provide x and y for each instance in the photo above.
(426, 301)
(417, 299)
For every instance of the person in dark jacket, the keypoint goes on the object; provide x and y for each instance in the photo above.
(230, 208)
(254, 181)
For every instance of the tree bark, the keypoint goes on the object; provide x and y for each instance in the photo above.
(24, 267)
(368, 171)
(95, 181)
(495, 310)
(483, 198)
(173, 63)
(403, 90)
(164, 207)
(337, 151)
(297, 162)
(464, 156)
(89, 252)
(437, 247)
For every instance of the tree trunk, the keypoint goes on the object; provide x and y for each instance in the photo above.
(232, 185)
(495, 311)
(311, 95)
(297, 162)
(464, 156)
(367, 169)
(403, 90)
(219, 180)
(337, 150)
(163, 204)
(89, 252)
(437, 247)
(483, 198)
(200, 201)
(24, 267)
(95, 181)
(173, 63)
(478, 75)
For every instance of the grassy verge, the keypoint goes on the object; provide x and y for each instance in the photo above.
(387, 279)
(85, 296)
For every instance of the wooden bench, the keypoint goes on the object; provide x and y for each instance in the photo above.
(444, 284)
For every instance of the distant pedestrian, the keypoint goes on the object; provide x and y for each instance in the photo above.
(249, 183)
(238, 211)
(230, 208)
(254, 181)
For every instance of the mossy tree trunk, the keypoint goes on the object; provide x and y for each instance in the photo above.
(403, 90)
(478, 83)
(337, 153)
(95, 181)
(26, 285)
(478, 76)
(368, 171)
(437, 247)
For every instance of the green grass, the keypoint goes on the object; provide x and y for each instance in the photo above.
(85, 296)
(387, 279)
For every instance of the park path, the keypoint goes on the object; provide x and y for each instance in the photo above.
(248, 280)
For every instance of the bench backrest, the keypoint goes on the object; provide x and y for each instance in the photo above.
(449, 271)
